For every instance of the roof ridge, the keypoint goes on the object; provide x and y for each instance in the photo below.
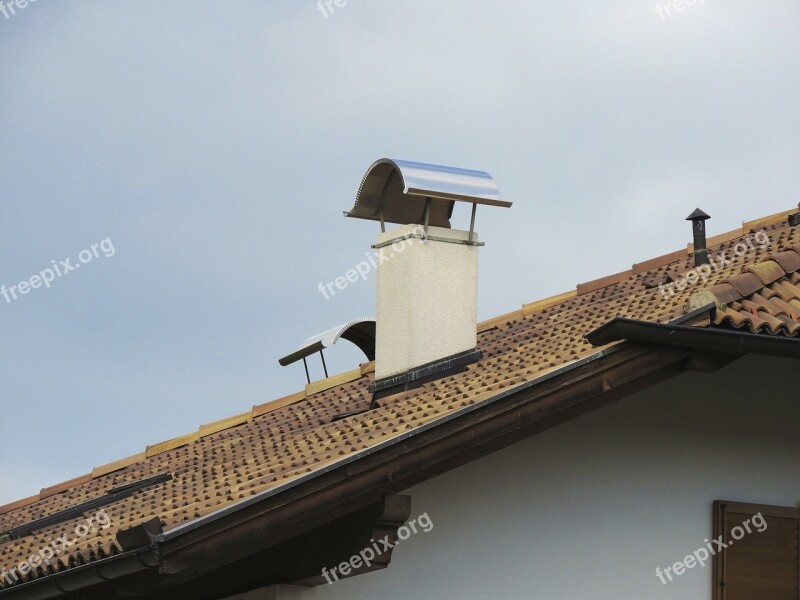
(665, 259)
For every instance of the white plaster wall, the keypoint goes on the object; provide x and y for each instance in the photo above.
(426, 300)
(591, 508)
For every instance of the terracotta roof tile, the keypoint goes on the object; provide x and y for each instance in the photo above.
(771, 309)
(746, 283)
(767, 271)
(277, 442)
(725, 292)
(789, 260)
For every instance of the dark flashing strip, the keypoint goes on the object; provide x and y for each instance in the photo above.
(703, 338)
(436, 367)
(708, 308)
(352, 413)
(73, 512)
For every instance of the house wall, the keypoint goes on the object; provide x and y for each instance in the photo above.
(591, 508)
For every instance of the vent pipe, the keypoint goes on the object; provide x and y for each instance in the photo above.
(698, 219)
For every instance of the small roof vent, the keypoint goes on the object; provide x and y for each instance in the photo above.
(698, 219)
(407, 192)
(360, 332)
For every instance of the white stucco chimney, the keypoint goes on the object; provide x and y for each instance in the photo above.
(427, 273)
(427, 297)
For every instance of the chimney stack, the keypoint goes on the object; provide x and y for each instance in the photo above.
(698, 219)
(427, 272)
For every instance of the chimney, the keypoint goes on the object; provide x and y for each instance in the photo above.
(427, 273)
(698, 219)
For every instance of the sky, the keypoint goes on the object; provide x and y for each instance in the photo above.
(193, 160)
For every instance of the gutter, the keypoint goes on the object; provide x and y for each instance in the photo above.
(85, 576)
(702, 338)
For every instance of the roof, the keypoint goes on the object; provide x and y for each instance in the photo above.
(289, 441)
(765, 298)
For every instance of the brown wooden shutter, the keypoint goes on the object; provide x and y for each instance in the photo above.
(760, 565)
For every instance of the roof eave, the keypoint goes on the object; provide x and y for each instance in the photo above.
(85, 576)
(701, 338)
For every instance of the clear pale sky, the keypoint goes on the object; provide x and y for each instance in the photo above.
(216, 145)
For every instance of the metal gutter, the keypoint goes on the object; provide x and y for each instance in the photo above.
(721, 340)
(85, 576)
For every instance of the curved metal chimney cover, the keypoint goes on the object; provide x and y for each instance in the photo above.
(399, 188)
(360, 332)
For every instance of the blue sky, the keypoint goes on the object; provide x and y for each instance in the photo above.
(217, 144)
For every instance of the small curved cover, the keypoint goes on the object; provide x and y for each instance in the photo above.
(360, 332)
(400, 188)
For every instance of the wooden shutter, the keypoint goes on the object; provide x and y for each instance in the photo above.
(760, 565)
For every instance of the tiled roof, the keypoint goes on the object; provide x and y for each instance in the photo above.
(275, 443)
(765, 298)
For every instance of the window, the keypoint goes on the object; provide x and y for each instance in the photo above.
(756, 552)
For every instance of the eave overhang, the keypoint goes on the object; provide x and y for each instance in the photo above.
(700, 338)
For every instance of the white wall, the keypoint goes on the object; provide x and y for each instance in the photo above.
(591, 508)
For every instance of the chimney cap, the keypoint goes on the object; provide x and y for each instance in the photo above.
(360, 332)
(396, 191)
(698, 215)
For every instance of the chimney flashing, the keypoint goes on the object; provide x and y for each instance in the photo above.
(416, 377)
